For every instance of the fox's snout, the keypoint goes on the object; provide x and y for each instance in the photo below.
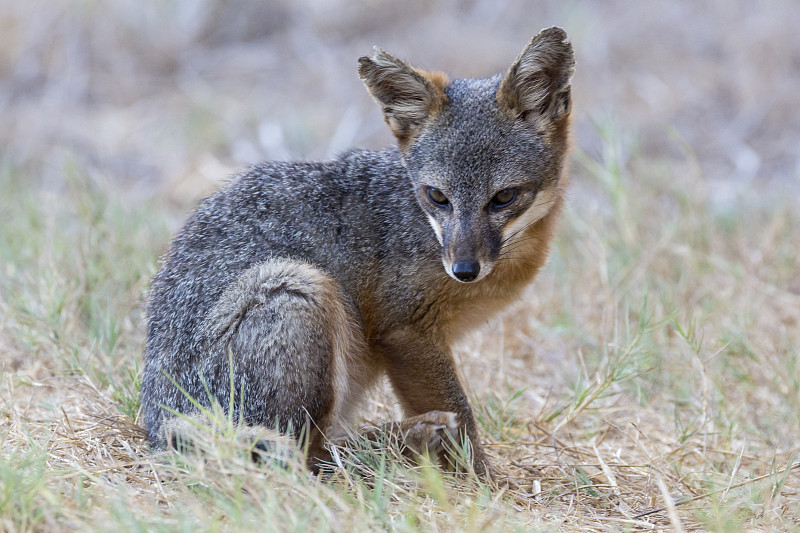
(468, 250)
(469, 245)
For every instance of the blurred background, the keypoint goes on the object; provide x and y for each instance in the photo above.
(166, 98)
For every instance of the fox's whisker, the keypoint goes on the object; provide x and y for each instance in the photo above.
(527, 226)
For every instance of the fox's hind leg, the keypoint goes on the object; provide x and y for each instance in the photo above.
(283, 341)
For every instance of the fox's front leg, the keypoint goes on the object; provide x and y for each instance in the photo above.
(423, 374)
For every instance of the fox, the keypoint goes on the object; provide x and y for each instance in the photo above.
(299, 284)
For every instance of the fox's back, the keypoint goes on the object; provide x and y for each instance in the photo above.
(353, 217)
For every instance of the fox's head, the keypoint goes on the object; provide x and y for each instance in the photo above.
(484, 155)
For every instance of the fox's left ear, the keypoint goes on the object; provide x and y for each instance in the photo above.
(408, 96)
(536, 87)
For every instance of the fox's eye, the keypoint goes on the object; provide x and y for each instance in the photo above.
(504, 197)
(437, 197)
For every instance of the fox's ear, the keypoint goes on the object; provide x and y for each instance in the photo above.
(536, 87)
(407, 95)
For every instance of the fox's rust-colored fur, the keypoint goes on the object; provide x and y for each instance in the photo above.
(298, 284)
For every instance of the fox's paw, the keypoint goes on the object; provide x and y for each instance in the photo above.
(430, 432)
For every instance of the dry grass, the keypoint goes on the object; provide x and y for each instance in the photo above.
(650, 379)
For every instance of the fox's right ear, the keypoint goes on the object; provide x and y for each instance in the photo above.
(536, 87)
(408, 96)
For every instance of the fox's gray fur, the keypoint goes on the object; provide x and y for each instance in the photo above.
(305, 281)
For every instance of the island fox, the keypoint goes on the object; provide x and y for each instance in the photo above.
(292, 289)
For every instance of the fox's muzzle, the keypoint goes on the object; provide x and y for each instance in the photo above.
(465, 253)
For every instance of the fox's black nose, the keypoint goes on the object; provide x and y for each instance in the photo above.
(466, 271)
